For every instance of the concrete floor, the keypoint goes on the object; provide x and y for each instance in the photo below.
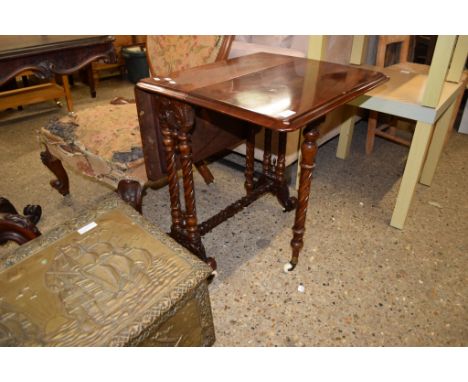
(365, 283)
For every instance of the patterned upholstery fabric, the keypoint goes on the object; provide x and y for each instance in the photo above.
(102, 142)
(173, 53)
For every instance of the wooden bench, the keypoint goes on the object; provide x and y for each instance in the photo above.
(37, 93)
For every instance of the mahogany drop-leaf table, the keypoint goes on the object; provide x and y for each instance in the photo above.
(271, 91)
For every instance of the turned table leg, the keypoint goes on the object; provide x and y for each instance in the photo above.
(308, 151)
(250, 160)
(185, 148)
(281, 188)
(176, 121)
(266, 164)
(169, 142)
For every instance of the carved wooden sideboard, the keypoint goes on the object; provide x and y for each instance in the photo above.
(45, 57)
(119, 281)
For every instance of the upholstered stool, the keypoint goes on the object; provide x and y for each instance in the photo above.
(106, 278)
(102, 142)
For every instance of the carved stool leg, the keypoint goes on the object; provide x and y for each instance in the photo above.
(205, 172)
(250, 160)
(131, 192)
(61, 184)
(281, 188)
(308, 151)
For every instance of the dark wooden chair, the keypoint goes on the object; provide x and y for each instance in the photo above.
(104, 142)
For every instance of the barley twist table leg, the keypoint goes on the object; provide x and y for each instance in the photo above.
(281, 188)
(169, 142)
(16, 227)
(249, 160)
(308, 151)
(267, 153)
(184, 116)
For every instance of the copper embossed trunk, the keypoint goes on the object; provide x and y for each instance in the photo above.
(121, 282)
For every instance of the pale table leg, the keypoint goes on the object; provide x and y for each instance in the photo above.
(346, 134)
(419, 144)
(68, 96)
(435, 149)
(372, 122)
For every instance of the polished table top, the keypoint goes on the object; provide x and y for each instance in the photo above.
(279, 92)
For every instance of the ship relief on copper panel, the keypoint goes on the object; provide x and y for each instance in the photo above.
(101, 285)
(98, 290)
(89, 279)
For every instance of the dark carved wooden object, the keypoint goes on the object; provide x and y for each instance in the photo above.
(49, 55)
(16, 227)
